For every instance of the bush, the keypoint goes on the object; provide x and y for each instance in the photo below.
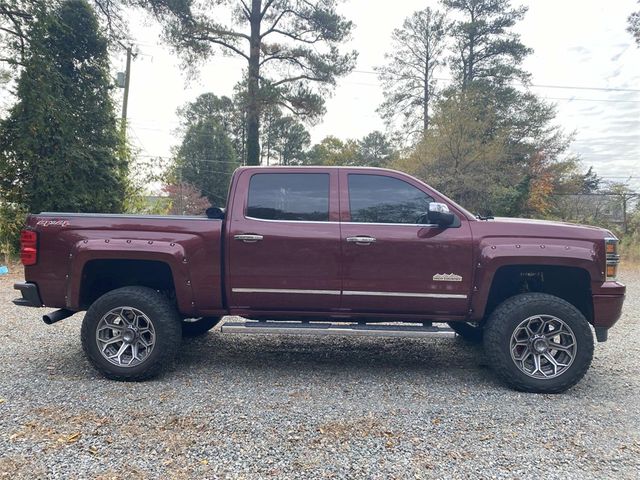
(12, 219)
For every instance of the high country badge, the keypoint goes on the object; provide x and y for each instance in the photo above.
(447, 277)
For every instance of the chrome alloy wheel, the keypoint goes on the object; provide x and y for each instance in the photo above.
(543, 346)
(125, 336)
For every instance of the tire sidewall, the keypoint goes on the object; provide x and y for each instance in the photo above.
(161, 314)
(506, 319)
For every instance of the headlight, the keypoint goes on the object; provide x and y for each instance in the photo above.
(613, 259)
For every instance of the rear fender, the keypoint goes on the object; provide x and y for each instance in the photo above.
(173, 254)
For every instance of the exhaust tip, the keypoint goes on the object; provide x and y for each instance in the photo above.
(56, 316)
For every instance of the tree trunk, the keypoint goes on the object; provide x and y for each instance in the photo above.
(253, 87)
(427, 93)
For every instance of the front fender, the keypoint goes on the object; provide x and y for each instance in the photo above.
(494, 253)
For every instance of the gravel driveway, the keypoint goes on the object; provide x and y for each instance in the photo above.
(304, 407)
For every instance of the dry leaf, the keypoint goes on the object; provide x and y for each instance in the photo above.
(74, 437)
(2, 400)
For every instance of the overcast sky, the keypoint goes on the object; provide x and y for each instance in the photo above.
(582, 44)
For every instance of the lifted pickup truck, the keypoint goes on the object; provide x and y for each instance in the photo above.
(359, 248)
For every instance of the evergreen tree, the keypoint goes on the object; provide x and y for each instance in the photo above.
(376, 150)
(485, 47)
(60, 148)
(206, 159)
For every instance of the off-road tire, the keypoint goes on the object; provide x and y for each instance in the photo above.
(503, 322)
(166, 323)
(196, 328)
(470, 332)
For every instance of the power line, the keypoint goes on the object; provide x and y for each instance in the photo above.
(377, 85)
(569, 87)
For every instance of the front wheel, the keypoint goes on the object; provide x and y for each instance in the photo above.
(538, 343)
(130, 332)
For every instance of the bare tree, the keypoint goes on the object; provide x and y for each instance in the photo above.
(408, 77)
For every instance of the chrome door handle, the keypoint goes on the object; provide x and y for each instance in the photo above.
(361, 240)
(248, 237)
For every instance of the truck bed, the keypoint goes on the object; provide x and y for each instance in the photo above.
(72, 246)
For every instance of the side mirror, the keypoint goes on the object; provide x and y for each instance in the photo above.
(215, 213)
(440, 215)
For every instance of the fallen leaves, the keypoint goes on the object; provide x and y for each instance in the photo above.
(74, 437)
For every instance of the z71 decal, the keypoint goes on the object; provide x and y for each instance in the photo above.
(52, 223)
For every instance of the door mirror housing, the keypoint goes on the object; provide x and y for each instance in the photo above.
(440, 215)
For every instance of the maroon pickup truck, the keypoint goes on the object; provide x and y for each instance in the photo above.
(329, 250)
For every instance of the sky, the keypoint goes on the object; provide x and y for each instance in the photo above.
(584, 61)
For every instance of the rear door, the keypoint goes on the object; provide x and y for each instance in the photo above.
(284, 241)
(392, 264)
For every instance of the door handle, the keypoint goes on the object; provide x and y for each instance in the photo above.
(361, 240)
(248, 237)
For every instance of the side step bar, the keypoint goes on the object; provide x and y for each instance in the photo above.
(323, 329)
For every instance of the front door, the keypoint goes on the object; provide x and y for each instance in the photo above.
(392, 264)
(284, 241)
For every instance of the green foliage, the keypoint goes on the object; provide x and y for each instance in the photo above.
(224, 111)
(18, 19)
(630, 244)
(464, 156)
(206, 159)
(60, 147)
(284, 139)
(291, 48)
(376, 150)
(12, 219)
(485, 48)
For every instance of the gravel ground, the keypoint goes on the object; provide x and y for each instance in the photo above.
(303, 407)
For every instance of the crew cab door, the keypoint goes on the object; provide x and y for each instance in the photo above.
(392, 264)
(283, 240)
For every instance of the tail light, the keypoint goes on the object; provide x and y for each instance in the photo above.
(28, 247)
(613, 259)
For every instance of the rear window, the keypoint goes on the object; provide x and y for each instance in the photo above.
(289, 196)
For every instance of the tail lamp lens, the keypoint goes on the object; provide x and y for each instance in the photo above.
(28, 247)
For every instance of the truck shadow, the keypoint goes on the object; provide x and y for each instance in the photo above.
(293, 355)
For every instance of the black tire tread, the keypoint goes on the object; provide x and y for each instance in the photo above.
(498, 326)
(168, 343)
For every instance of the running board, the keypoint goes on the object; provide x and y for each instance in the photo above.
(323, 329)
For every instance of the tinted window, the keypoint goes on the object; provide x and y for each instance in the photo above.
(289, 196)
(380, 199)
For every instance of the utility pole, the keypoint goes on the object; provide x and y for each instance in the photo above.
(125, 100)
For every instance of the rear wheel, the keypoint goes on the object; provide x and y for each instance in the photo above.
(129, 333)
(194, 327)
(538, 343)
(472, 332)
